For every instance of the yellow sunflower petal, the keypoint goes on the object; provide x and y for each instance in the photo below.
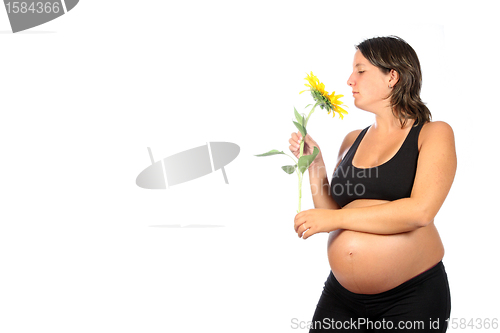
(340, 110)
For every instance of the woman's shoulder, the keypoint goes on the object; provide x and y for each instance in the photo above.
(351, 136)
(435, 130)
(348, 142)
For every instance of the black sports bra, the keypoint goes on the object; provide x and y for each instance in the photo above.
(391, 180)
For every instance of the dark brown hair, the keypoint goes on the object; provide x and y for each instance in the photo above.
(392, 52)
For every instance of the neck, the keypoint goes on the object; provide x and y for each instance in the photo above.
(386, 122)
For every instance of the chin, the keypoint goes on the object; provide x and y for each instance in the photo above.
(363, 107)
(359, 105)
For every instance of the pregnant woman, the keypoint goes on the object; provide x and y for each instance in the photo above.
(390, 181)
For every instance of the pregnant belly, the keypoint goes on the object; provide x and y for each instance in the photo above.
(368, 263)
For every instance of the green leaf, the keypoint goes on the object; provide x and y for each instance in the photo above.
(297, 116)
(301, 129)
(289, 169)
(306, 160)
(271, 152)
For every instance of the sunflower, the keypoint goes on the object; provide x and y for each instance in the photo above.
(329, 102)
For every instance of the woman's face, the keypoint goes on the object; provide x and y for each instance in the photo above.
(370, 86)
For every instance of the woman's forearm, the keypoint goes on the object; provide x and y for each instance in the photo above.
(393, 217)
(320, 187)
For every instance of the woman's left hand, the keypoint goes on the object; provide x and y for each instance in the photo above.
(312, 221)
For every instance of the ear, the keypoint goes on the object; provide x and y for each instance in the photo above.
(393, 78)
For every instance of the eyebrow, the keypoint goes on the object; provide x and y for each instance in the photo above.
(357, 65)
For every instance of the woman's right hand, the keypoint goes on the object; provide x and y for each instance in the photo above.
(309, 145)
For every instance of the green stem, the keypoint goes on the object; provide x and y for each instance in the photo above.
(310, 113)
(300, 155)
(300, 191)
(300, 174)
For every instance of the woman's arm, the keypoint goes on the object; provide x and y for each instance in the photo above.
(437, 163)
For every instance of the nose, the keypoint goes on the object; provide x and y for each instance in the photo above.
(350, 82)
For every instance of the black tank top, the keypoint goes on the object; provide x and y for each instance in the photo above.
(391, 180)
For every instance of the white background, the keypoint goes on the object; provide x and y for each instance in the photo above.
(83, 249)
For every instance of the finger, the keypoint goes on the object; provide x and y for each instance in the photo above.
(296, 137)
(299, 231)
(298, 221)
(308, 233)
(294, 144)
(302, 230)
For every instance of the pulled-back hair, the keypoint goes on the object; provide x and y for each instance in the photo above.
(392, 52)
